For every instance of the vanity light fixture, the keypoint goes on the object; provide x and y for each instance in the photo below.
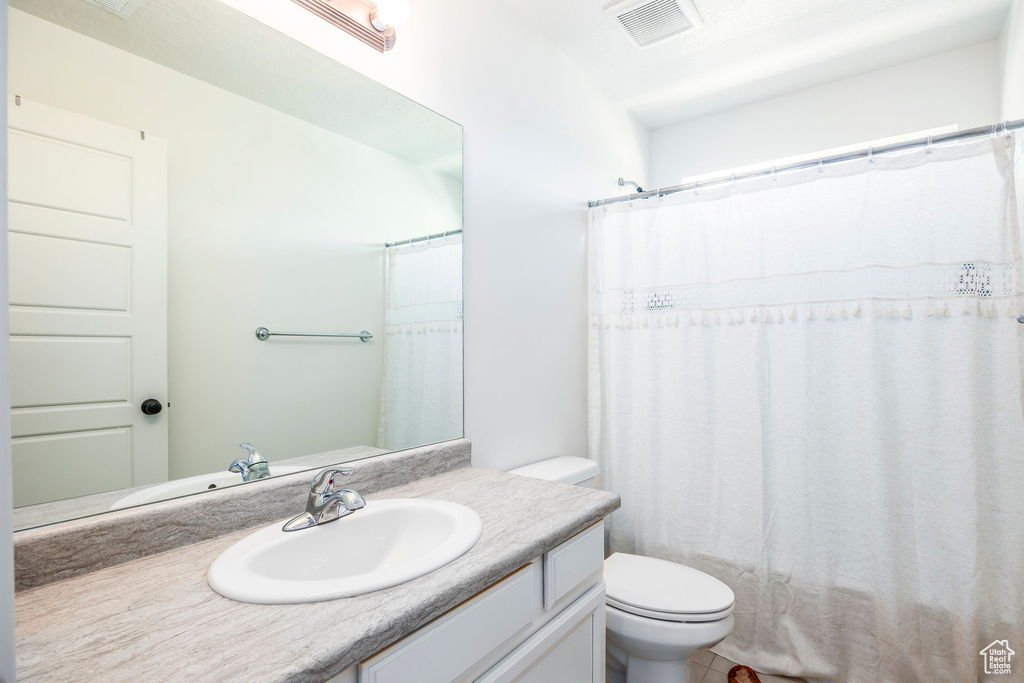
(389, 14)
(373, 23)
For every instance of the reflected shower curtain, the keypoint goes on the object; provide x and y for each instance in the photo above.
(810, 387)
(421, 393)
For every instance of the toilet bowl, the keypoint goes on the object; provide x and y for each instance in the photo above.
(659, 613)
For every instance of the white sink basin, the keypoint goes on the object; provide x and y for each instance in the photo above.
(197, 484)
(386, 543)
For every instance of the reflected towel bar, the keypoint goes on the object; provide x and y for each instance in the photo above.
(263, 334)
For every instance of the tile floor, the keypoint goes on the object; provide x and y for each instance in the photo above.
(710, 668)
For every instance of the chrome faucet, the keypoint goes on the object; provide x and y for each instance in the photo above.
(255, 466)
(327, 502)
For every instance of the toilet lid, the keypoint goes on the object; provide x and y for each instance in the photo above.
(665, 590)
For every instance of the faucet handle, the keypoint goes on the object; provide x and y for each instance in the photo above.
(323, 482)
(254, 455)
(240, 466)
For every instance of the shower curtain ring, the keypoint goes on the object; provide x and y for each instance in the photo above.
(928, 145)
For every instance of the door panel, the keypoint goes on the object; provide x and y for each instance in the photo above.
(88, 263)
(57, 466)
(64, 419)
(57, 272)
(69, 370)
(55, 174)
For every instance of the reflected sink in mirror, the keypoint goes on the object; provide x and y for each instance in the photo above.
(197, 484)
(382, 545)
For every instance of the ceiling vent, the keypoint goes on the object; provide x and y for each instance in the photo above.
(122, 8)
(649, 22)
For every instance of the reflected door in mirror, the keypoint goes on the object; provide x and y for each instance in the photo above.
(88, 290)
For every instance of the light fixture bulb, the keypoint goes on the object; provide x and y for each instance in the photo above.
(389, 13)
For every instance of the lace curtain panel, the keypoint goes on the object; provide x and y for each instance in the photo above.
(810, 386)
(421, 394)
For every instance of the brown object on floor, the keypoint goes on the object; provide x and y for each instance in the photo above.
(743, 674)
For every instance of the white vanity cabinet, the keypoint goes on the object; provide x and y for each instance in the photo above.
(544, 623)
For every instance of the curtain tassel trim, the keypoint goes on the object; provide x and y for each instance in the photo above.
(439, 326)
(834, 312)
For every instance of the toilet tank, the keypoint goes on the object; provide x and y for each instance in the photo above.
(568, 469)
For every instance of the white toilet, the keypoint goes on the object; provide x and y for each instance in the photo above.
(659, 613)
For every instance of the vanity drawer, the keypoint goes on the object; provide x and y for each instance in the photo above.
(456, 642)
(571, 563)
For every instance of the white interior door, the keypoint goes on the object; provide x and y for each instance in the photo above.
(87, 215)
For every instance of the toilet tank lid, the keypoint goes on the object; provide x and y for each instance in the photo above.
(567, 469)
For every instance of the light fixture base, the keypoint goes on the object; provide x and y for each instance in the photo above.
(340, 13)
(376, 22)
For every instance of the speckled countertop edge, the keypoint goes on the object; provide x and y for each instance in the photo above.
(155, 619)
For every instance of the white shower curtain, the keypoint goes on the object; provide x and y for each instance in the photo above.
(421, 393)
(810, 386)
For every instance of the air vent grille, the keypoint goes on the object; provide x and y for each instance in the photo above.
(122, 8)
(655, 21)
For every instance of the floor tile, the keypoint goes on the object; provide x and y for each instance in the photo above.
(768, 678)
(720, 663)
(713, 676)
(717, 667)
(697, 673)
(704, 658)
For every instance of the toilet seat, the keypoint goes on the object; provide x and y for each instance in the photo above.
(666, 591)
(668, 616)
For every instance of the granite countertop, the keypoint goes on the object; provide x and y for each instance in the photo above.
(156, 619)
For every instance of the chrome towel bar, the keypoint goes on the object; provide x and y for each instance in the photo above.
(263, 334)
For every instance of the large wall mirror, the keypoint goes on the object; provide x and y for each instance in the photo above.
(179, 180)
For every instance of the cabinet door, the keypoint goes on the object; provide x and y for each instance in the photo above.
(449, 647)
(572, 563)
(569, 649)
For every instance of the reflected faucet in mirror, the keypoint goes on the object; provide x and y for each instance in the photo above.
(326, 502)
(255, 466)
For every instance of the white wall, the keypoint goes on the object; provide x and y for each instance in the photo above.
(540, 140)
(957, 87)
(272, 222)
(1011, 46)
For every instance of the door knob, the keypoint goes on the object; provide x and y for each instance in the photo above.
(151, 406)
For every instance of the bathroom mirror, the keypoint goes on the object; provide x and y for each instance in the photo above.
(179, 180)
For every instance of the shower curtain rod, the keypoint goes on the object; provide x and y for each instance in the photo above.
(994, 129)
(425, 238)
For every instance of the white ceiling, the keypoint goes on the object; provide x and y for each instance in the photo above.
(750, 50)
